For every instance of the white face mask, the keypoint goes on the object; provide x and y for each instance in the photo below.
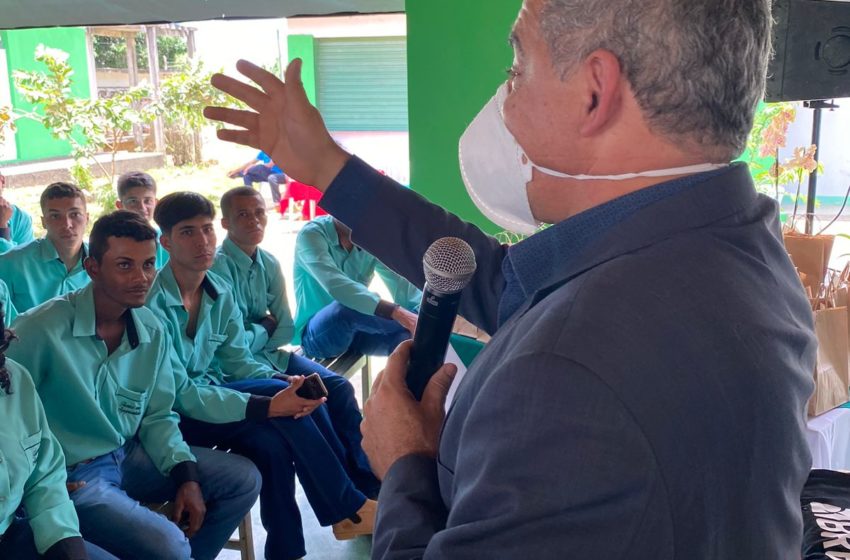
(496, 170)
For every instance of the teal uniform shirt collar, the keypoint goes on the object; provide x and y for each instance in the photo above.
(171, 290)
(48, 252)
(233, 251)
(85, 324)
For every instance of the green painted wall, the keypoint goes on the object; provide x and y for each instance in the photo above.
(33, 140)
(304, 47)
(457, 53)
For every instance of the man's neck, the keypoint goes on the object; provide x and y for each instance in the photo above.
(249, 250)
(188, 281)
(69, 257)
(106, 310)
(554, 200)
(344, 236)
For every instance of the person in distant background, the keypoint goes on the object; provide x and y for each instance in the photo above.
(15, 224)
(256, 171)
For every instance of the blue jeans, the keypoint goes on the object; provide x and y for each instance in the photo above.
(18, 543)
(112, 517)
(323, 449)
(337, 328)
(256, 174)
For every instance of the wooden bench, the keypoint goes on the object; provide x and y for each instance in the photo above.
(347, 365)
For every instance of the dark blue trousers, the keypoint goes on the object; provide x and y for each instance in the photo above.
(337, 328)
(323, 449)
(18, 544)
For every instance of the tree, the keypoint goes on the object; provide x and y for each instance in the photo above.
(111, 52)
(7, 122)
(182, 99)
(89, 125)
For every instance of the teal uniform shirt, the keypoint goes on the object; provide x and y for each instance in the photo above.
(96, 401)
(32, 467)
(34, 274)
(20, 230)
(325, 272)
(8, 307)
(258, 286)
(162, 255)
(218, 352)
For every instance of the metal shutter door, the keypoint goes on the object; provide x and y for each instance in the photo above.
(362, 83)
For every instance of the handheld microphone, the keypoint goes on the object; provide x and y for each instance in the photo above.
(449, 264)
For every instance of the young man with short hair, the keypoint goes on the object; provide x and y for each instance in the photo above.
(51, 266)
(198, 308)
(336, 309)
(15, 224)
(137, 193)
(102, 367)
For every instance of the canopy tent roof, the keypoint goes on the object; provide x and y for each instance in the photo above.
(16, 14)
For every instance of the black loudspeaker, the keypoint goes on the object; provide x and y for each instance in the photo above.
(812, 50)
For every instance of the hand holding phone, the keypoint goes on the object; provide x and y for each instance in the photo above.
(313, 388)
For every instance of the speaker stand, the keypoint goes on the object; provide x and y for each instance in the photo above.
(818, 106)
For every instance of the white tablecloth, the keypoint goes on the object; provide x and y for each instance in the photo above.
(829, 439)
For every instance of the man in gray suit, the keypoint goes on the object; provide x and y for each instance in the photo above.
(643, 394)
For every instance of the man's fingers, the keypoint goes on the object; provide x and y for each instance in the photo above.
(270, 83)
(295, 381)
(196, 519)
(438, 387)
(377, 384)
(74, 486)
(253, 97)
(244, 137)
(236, 117)
(295, 93)
(397, 363)
(177, 514)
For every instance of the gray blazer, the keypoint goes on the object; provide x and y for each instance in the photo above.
(648, 404)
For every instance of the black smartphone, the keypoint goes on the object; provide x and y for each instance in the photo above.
(313, 388)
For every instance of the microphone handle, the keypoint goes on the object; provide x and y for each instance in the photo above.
(437, 315)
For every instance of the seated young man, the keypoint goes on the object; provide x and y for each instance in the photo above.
(37, 518)
(257, 170)
(51, 266)
(15, 224)
(336, 311)
(322, 447)
(137, 193)
(102, 366)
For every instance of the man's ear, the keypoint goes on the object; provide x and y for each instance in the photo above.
(92, 267)
(603, 97)
(165, 241)
(119, 205)
(225, 223)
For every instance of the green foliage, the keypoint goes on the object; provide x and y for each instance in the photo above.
(7, 122)
(111, 52)
(182, 99)
(770, 133)
(89, 125)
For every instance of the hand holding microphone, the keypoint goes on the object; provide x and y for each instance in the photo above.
(449, 265)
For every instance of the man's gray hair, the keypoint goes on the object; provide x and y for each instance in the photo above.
(697, 67)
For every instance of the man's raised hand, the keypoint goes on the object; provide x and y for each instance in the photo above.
(281, 122)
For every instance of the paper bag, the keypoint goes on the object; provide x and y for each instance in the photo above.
(832, 370)
(810, 254)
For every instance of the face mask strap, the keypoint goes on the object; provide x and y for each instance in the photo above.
(670, 172)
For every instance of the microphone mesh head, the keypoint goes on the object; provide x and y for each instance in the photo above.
(449, 265)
